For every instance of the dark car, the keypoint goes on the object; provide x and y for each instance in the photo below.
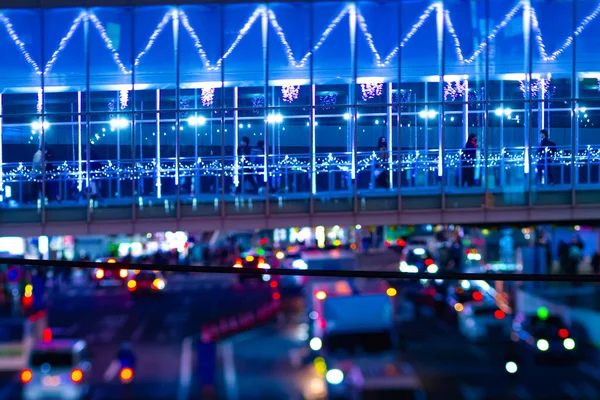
(251, 261)
(147, 282)
(544, 337)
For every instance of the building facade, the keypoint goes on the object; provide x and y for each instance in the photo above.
(210, 112)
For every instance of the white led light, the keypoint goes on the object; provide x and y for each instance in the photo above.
(334, 376)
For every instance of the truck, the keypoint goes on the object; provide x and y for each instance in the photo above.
(360, 348)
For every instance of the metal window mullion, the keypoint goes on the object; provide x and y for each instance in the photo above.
(133, 124)
(222, 201)
(574, 114)
(399, 113)
(42, 116)
(177, 113)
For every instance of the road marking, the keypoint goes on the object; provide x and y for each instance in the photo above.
(590, 370)
(227, 355)
(137, 334)
(570, 390)
(111, 371)
(185, 369)
(479, 353)
(472, 392)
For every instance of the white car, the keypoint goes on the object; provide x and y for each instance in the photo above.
(57, 369)
(479, 321)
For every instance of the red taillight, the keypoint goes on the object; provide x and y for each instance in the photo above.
(238, 261)
(273, 284)
(126, 374)
(477, 296)
(499, 314)
(428, 262)
(76, 375)
(563, 333)
(26, 376)
(400, 242)
(47, 335)
(276, 296)
(322, 324)
(261, 260)
(387, 243)
(263, 241)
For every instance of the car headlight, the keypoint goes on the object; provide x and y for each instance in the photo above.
(334, 376)
(432, 269)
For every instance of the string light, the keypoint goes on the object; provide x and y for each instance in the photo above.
(325, 163)
(124, 98)
(290, 93)
(536, 87)
(208, 96)
(456, 89)
(370, 90)
(40, 101)
(262, 11)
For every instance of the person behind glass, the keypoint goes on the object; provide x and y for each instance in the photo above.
(469, 155)
(545, 153)
(95, 167)
(42, 162)
(259, 160)
(244, 150)
(382, 178)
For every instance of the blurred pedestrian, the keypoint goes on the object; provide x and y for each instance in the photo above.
(469, 157)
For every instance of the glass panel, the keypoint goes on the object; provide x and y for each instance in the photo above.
(464, 154)
(65, 174)
(376, 158)
(587, 160)
(552, 154)
(155, 155)
(65, 56)
(200, 42)
(334, 160)
(289, 50)
(420, 163)
(333, 57)
(19, 72)
(587, 107)
(112, 172)
(377, 51)
(248, 194)
(245, 68)
(21, 170)
(509, 163)
(110, 74)
(419, 53)
(155, 60)
(289, 160)
(507, 169)
(201, 162)
(553, 64)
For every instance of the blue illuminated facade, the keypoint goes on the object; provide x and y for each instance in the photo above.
(270, 110)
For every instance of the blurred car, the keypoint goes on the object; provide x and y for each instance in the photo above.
(57, 369)
(110, 277)
(463, 293)
(251, 261)
(544, 336)
(146, 282)
(417, 259)
(480, 321)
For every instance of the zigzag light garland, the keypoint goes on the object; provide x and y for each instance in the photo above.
(264, 12)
